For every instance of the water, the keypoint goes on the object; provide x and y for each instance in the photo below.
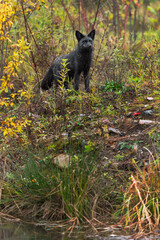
(20, 231)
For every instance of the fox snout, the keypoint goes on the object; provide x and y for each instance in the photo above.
(87, 45)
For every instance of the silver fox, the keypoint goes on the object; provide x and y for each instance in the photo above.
(78, 61)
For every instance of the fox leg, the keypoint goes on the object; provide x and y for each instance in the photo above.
(86, 79)
(76, 81)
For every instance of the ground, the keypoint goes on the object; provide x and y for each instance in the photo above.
(123, 128)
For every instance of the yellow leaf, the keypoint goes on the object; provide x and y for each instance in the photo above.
(105, 128)
(6, 89)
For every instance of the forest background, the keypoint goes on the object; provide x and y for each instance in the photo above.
(56, 153)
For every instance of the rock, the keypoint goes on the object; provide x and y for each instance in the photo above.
(148, 112)
(148, 122)
(115, 131)
(62, 160)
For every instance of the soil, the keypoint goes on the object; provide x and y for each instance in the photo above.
(130, 133)
(136, 133)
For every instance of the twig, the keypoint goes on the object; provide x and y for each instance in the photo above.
(149, 152)
(90, 224)
(9, 216)
(68, 14)
(84, 15)
(32, 55)
(80, 6)
(96, 14)
(141, 200)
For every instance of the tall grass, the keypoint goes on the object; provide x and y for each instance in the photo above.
(41, 189)
(141, 204)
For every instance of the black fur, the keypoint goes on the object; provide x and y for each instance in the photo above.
(78, 61)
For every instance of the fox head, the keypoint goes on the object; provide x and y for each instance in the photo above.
(85, 42)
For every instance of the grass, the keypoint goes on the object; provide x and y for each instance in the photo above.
(114, 86)
(141, 204)
(41, 189)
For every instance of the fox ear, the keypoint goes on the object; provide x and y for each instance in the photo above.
(92, 34)
(79, 35)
